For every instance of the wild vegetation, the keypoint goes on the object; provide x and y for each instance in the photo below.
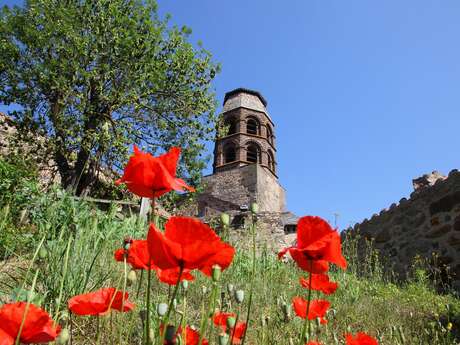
(70, 250)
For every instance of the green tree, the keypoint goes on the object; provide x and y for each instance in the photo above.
(95, 76)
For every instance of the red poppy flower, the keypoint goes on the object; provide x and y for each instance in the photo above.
(100, 302)
(319, 282)
(220, 320)
(150, 177)
(189, 244)
(317, 246)
(137, 255)
(318, 308)
(361, 338)
(192, 337)
(38, 326)
(171, 275)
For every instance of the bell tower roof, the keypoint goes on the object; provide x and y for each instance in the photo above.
(239, 90)
(245, 98)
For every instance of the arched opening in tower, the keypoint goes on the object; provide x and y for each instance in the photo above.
(253, 153)
(252, 126)
(269, 135)
(271, 161)
(231, 125)
(229, 154)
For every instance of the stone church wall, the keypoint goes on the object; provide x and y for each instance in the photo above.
(426, 223)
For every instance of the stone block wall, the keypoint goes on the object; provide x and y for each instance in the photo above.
(426, 223)
(229, 190)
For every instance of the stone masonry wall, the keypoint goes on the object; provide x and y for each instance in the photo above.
(426, 223)
(229, 190)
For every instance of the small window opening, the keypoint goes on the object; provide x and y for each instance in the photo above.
(252, 127)
(252, 154)
(229, 154)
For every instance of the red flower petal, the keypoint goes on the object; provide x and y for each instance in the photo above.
(318, 308)
(317, 246)
(171, 275)
(319, 282)
(361, 338)
(5, 338)
(165, 253)
(38, 325)
(223, 258)
(188, 243)
(149, 176)
(220, 319)
(100, 302)
(309, 265)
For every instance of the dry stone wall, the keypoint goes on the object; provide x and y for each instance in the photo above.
(425, 224)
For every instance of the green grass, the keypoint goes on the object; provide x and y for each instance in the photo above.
(408, 313)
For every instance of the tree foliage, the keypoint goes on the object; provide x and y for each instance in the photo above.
(95, 76)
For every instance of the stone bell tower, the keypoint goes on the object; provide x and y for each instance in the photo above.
(250, 138)
(244, 168)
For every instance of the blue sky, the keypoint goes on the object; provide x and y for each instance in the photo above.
(365, 94)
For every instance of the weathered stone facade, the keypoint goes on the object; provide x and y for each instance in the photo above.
(233, 189)
(426, 223)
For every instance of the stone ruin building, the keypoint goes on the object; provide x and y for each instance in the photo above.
(427, 224)
(245, 171)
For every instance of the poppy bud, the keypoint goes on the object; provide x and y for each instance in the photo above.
(216, 270)
(223, 339)
(185, 284)
(286, 309)
(42, 253)
(174, 304)
(231, 321)
(64, 316)
(254, 208)
(162, 308)
(63, 336)
(170, 334)
(263, 321)
(230, 288)
(132, 277)
(239, 296)
(225, 219)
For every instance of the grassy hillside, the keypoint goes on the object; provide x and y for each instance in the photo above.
(77, 243)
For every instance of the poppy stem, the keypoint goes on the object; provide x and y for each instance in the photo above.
(139, 284)
(307, 322)
(26, 310)
(171, 302)
(253, 273)
(205, 318)
(149, 282)
(125, 278)
(147, 316)
(97, 329)
(234, 328)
